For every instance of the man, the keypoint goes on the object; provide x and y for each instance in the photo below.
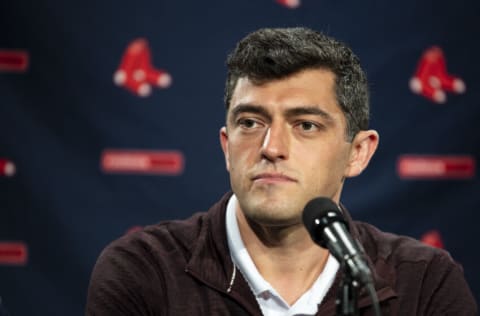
(296, 127)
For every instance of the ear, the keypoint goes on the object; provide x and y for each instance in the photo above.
(363, 147)
(224, 143)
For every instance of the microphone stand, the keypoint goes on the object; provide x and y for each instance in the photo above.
(347, 295)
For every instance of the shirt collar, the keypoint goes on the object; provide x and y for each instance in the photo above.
(239, 252)
(307, 304)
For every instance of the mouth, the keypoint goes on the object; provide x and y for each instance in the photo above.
(272, 178)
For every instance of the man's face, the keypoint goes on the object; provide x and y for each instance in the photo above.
(285, 144)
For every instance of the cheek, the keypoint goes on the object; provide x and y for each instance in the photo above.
(241, 152)
(238, 160)
(235, 157)
(323, 164)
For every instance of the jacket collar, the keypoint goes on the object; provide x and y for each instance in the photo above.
(211, 263)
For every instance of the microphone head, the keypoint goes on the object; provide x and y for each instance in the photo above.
(318, 214)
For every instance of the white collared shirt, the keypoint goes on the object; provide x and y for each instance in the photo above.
(271, 303)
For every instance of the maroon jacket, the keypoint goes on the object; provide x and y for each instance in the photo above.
(184, 268)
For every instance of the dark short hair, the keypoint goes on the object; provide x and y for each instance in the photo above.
(275, 53)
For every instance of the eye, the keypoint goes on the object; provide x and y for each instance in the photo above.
(308, 126)
(247, 123)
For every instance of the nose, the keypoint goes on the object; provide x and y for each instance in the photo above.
(276, 143)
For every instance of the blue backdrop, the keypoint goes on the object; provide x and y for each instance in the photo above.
(84, 160)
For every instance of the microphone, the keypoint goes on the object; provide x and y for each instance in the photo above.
(328, 228)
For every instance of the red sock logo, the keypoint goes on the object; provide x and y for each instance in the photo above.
(7, 168)
(432, 79)
(136, 72)
(433, 238)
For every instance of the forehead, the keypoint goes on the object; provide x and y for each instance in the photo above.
(311, 87)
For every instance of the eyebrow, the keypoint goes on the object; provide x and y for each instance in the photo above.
(249, 108)
(297, 111)
(308, 110)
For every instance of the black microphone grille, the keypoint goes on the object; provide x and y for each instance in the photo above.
(320, 212)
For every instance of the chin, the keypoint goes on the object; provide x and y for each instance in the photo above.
(271, 215)
(277, 222)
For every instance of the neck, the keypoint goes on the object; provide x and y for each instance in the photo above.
(286, 257)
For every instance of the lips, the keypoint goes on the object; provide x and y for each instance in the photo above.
(273, 177)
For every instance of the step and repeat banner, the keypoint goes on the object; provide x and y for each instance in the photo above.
(110, 112)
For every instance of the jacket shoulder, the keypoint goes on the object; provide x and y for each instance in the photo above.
(396, 248)
(133, 272)
(423, 276)
(162, 238)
